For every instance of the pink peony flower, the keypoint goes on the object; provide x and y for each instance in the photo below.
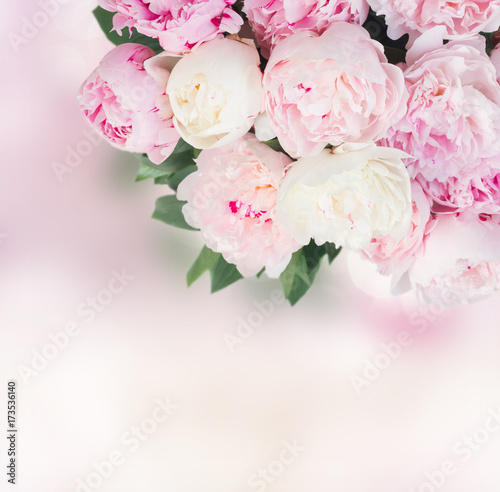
(276, 20)
(395, 257)
(232, 199)
(459, 261)
(331, 88)
(120, 100)
(460, 19)
(179, 25)
(452, 126)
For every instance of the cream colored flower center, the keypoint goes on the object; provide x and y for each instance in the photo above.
(200, 103)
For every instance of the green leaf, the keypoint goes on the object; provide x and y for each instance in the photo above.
(223, 274)
(274, 144)
(163, 179)
(182, 146)
(174, 179)
(105, 20)
(202, 264)
(300, 273)
(169, 210)
(332, 251)
(148, 172)
(178, 161)
(313, 255)
(261, 272)
(295, 278)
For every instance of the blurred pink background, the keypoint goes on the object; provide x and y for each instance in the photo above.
(316, 378)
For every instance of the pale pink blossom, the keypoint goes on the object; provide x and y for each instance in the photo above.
(126, 106)
(232, 199)
(459, 261)
(275, 20)
(331, 88)
(394, 257)
(452, 125)
(179, 25)
(460, 18)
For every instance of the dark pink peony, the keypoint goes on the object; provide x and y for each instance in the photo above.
(121, 101)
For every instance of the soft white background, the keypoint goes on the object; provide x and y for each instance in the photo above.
(289, 381)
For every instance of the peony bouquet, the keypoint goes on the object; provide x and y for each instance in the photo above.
(288, 130)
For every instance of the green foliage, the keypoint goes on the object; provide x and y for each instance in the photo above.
(274, 144)
(332, 251)
(173, 170)
(148, 172)
(304, 265)
(222, 273)
(295, 279)
(174, 179)
(169, 210)
(205, 261)
(299, 275)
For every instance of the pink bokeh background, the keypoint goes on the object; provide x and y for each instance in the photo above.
(292, 379)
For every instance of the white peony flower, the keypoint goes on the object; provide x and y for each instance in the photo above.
(347, 196)
(216, 92)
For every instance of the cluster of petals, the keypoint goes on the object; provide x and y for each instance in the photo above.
(460, 260)
(452, 123)
(394, 257)
(272, 21)
(412, 178)
(331, 88)
(120, 100)
(232, 199)
(347, 196)
(460, 19)
(179, 25)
